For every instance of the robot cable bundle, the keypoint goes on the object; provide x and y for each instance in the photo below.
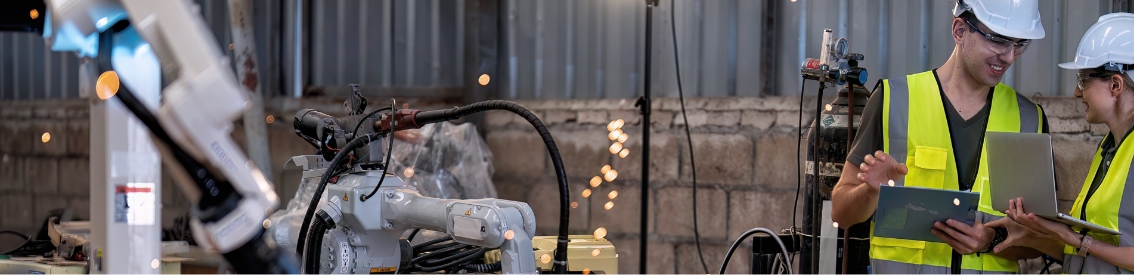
(459, 253)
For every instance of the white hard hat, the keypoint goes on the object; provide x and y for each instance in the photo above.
(1012, 18)
(1109, 42)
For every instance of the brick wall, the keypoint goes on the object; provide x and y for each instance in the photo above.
(37, 176)
(746, 178)
(744, 147)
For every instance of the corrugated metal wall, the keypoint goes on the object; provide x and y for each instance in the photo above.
(29, 71)
(589, 48)
(593, 48)
(386, 43)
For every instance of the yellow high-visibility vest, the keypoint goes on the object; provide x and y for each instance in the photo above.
(916, 132)
(1110, 206)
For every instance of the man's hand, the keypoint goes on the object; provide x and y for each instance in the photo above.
(880, 168)
(962, 237)
(1018, 235)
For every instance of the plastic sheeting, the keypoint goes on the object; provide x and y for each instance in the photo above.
(444, 160)
(440, 160)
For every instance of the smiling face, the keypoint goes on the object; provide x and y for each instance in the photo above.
(1094, 91)
(985, 55)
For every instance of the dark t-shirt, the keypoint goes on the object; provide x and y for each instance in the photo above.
(967, 135)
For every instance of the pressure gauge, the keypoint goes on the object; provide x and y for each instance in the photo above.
(839, 49)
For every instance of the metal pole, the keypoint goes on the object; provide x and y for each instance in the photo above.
(244, 49)
(297, 52)
(644, 104)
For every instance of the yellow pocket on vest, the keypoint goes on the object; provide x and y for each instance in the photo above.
(898, 250)
(928, 169)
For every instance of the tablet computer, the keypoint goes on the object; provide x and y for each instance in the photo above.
(909, 212)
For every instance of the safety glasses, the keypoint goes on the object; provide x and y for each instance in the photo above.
(1084, 77)
(999, 44)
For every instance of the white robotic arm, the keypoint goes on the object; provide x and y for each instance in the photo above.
(231, 197)
(367, 233)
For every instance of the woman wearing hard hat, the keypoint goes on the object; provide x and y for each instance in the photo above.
(1104, 62)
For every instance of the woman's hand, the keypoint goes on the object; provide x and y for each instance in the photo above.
(1017, 212)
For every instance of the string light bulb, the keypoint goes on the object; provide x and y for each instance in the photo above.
(609, 205)
(613, 194)
(408, 172)
(625, 152)
(623, 137)
(509, 235)
(586, 193)
(613, 125)
(270, 119)
(596, 252)
(600, 233)
(615, 148)
(604, 169)
(546, 258)
(614, 134)
(45, 137)
(34, 14)
(596, 181)
(610, 175)
(574, 204)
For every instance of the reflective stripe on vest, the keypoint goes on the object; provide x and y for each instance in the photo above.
(1112, 206)
(922, 140)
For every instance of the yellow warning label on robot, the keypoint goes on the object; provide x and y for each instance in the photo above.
(383, 270)
(468, 212)
(345, 197)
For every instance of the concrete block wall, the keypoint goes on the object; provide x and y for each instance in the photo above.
(38, 176)
(744, 151)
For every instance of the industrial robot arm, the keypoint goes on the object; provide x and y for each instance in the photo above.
(369, 230)
(232, 197)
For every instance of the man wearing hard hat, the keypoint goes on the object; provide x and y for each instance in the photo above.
(927, 130)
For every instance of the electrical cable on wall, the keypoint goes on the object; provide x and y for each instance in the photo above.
(688, 135)
(798, 165)
(750, 232)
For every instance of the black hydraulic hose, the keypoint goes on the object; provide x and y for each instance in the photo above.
(319, 226)
(483, 268)
(437, 253)
(311, 259)
(435, 247)
(469, 257)
(413, 234)
(420, 247)
(448, 258)
(426, 117)
(314, 204)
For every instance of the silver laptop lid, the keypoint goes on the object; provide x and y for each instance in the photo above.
(1020, 165)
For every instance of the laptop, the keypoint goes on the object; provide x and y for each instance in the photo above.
(909, 212)
(1020, 166)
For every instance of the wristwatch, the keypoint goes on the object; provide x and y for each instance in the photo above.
(999, 237)
(1085, 245)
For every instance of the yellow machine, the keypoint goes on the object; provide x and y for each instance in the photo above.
(585, 254)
